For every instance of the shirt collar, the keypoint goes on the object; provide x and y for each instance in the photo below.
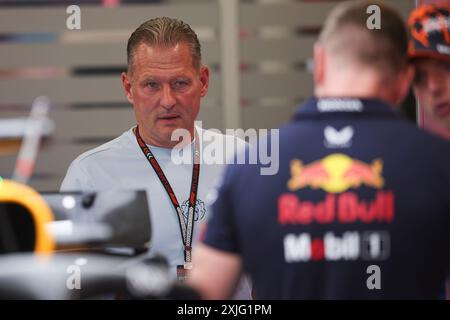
(344, 106)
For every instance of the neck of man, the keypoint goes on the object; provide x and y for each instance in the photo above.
(356, 83)
(167, 142)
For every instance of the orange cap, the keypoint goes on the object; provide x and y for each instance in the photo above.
(429, 26)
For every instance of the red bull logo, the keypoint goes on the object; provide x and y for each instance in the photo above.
(344, 208)
(335, 173)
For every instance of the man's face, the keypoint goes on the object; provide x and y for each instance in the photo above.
(165, 90)
(432, 88)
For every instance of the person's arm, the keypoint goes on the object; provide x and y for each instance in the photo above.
(215, 273)
(218, 258)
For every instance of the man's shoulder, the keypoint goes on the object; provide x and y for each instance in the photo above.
(425, 141)
(105, 150)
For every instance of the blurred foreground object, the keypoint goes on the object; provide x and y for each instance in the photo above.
(61, 246)
(72, 276)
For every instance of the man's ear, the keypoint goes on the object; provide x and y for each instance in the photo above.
(405, 79)
(319, 65)
(204, 79)
(126, 84)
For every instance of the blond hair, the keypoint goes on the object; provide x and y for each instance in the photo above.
(347, 36)
(164, 32)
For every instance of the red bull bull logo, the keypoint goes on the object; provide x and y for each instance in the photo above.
(335, 173)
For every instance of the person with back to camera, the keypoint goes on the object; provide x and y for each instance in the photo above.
(360, 207)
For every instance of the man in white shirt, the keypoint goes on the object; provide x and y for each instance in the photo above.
(165, 82)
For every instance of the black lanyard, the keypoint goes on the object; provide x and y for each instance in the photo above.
(187, 229)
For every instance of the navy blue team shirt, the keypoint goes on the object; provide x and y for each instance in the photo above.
(359, 209)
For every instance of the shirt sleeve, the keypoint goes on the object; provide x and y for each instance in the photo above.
(76, 179)
(221, 228)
